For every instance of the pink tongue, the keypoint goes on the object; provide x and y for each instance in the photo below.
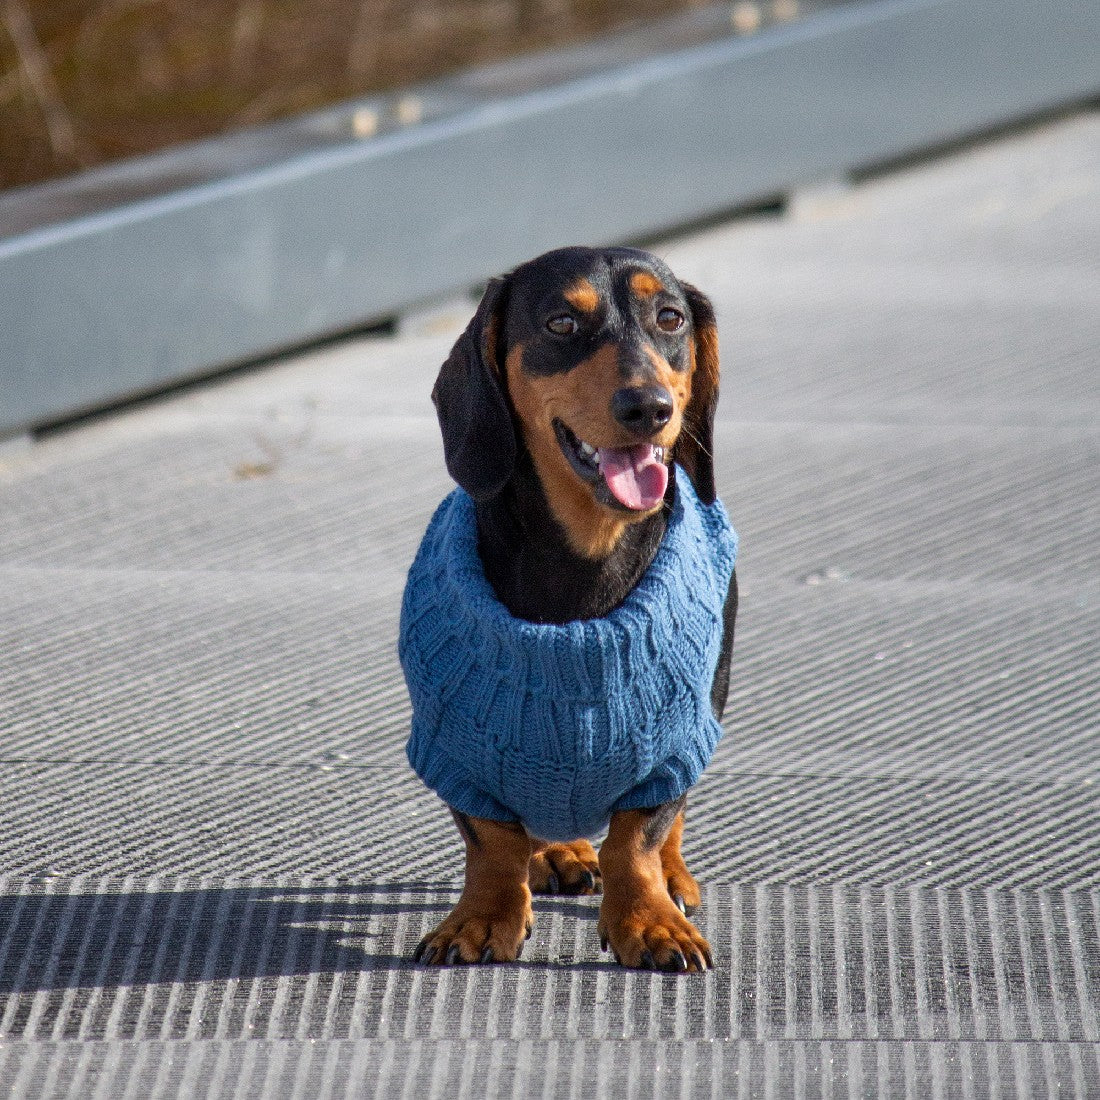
(636, 477)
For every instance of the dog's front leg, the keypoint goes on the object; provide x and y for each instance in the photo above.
(682, 887)
(639, 920)
(493, 917)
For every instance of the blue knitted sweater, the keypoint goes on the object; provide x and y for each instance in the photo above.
(559, 726)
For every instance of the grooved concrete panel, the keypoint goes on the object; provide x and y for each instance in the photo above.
(440, 1069)
(216, 861)
(313, 959)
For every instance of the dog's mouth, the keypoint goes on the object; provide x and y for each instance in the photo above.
(634, 478)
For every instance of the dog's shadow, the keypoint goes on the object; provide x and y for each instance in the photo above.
(56, 940)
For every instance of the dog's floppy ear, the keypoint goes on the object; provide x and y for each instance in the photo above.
(695, 448)
(479, 442)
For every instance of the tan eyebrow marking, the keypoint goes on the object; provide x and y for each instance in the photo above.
(583, 295)
(644, 284)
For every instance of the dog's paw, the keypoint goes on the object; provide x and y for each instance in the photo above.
(572, 868)
(652, 934)
(478, 934)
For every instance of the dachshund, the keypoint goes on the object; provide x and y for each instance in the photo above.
(573, 408)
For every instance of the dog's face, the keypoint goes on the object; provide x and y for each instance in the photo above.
(607, 366)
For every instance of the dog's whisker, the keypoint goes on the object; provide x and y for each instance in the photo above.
(685, 430)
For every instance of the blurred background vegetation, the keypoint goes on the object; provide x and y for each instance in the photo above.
(83, 82)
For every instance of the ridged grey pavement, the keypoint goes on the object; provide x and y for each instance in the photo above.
(215, 862)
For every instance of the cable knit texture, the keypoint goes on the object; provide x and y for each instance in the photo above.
(561, 726)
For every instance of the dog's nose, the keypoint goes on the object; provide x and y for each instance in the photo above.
(642, 409)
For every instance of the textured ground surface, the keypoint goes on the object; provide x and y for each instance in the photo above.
(216, 861)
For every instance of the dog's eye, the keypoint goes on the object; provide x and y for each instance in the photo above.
(562, 325)
(670, 320)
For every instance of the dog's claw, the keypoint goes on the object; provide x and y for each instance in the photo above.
(679, 900)
(487, 955)
(603, 942)
(648, 961)
(454, 955)
(553, 883)
(676, 964)
(588, 881)
(427, 956)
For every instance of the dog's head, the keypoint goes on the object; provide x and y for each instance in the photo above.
(604, 366)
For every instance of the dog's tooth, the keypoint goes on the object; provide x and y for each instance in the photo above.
(587, 449)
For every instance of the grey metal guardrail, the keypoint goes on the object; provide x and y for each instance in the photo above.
(137, 276)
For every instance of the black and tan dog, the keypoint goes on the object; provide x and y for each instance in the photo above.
(585, 378)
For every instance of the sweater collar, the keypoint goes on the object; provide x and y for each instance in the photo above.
(685, 540)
